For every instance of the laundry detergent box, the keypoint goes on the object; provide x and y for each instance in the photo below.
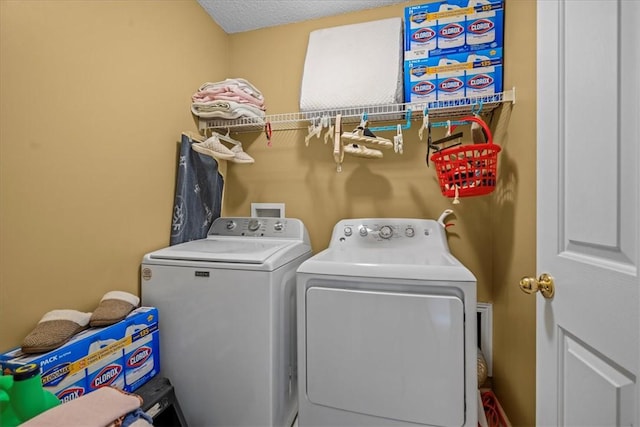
(469, 74)
(419, 84)
(484, 73)
(453, 26)
(420, 35)
(124, 355)
(484, 24)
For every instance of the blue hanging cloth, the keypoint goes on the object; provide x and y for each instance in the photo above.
(198, 198)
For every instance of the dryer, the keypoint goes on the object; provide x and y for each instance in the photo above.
(386, 329)
(227, 322)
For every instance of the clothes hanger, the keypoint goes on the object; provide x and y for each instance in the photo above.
(314, 130)
(407, 125)
(226, 138)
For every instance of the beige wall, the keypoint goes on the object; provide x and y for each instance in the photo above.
(87, 187)
(94, 97)
(514, 223)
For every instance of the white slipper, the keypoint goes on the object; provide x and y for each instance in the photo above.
(214, 148)
(240, 156)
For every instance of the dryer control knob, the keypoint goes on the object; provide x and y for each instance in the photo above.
(254, 225)
(363, 231)
(231, 225)
(348, 231)
(278, 226)
(409, 232)
(385, 232)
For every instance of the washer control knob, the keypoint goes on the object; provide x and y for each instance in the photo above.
(409, 232)
(231, 225)
(348, 231)
(278, 226)
(254, 225)
(385, 232)
(363, 231)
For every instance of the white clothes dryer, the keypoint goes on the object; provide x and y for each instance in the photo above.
(387, 329)
(227, 323)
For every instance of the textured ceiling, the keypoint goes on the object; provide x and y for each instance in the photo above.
(237, 16)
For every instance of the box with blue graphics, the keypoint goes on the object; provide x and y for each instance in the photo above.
(453, 26)
(124, 355)
(454, 76)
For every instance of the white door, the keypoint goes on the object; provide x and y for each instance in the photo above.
(588, 212)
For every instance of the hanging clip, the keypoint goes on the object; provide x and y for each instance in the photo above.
(268, 132)
(456, 198)
(338, 148)
(364, 117)
(477, 133)
(313, 130)
(425, 123)
(329, 135)
(428, 142)
(397, 140)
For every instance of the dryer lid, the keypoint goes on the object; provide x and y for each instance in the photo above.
(381, 262)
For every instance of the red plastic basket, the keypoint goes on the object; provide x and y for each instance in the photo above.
(468, 170)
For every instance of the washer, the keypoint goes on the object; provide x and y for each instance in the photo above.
(227, 322)
(387, 328)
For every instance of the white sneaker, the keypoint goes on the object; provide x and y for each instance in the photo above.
(214, 148)
(240, 156)
(362, 151)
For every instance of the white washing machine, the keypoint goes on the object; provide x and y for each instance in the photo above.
(387, 329)
(227, 322)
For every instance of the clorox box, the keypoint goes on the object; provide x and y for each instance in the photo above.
(419, 83)
(124, 355)
(453, 26)
(483, 74)
(484, 25)
(420, 35)
(454, 76)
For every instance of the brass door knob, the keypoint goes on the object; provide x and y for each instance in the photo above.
(544, 284)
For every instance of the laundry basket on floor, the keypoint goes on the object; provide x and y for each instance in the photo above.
(468, 170)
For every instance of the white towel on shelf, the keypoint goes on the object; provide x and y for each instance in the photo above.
(353, 65)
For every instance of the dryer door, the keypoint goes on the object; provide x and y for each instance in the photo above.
(393, 355)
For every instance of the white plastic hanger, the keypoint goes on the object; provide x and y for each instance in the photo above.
(226, 138)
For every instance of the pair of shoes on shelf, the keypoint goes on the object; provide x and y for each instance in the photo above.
(57, 327)
(361, 135)
(215, 148)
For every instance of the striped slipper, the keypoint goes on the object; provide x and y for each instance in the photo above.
(55, 329)
(114, 306)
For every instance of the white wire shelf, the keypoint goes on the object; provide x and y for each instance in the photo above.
(376, 113)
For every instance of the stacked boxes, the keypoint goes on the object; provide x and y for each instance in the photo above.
(124, 355)
(453, 49)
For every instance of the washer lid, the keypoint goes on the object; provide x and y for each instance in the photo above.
(241, 250)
